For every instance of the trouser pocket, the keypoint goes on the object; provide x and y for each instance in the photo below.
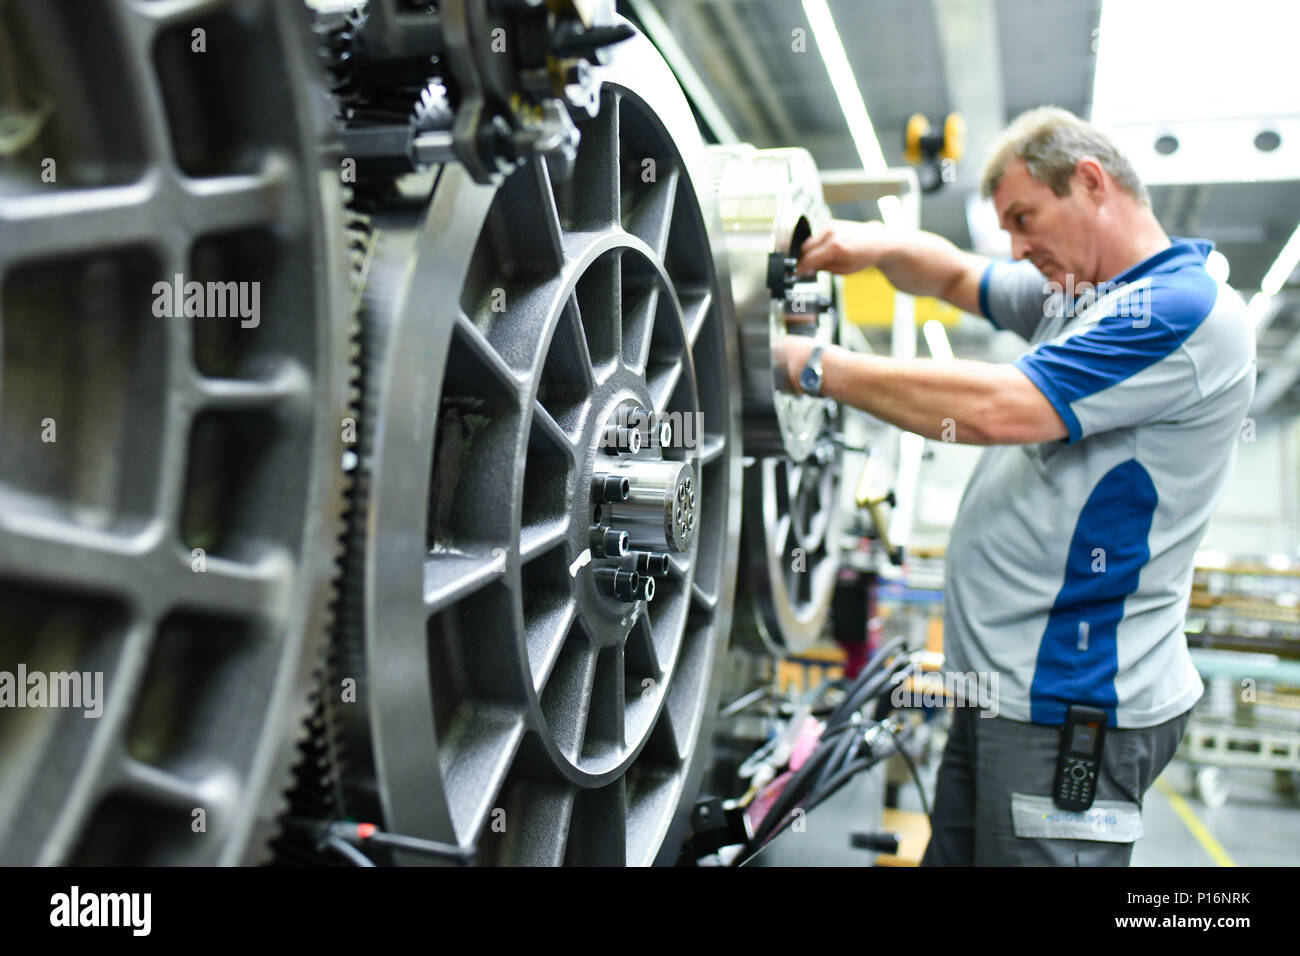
(1106, 821)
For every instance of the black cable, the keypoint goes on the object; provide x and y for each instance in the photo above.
(868, 669)
(841, 756)
(868, 674)
(792, 791)
(911, 765)
(836, 782)
(866, 693)
(803, 779)
(346, 850)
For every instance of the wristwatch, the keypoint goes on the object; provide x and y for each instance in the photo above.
(810, 379)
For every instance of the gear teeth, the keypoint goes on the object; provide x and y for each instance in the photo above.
(312, 789)
(432, 110)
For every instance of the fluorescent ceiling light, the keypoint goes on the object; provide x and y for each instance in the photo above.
(1282, 268)
(846, 89)
(937, 338)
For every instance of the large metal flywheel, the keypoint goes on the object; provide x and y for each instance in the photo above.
(549, 486)
(173, 384)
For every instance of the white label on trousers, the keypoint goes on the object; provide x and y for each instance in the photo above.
(1108, 821)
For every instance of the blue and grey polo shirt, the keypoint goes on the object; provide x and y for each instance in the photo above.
(1070, 562)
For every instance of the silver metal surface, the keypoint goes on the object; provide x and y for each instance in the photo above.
(659, 513)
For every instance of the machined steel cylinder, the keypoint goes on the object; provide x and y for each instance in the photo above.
(660, 513)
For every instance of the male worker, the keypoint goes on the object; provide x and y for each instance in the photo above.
(1112, 439)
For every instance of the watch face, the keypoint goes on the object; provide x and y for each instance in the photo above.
(810, 381)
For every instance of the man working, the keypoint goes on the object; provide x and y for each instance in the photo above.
(1113, 437)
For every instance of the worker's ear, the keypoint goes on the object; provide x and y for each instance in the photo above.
(1091, 178)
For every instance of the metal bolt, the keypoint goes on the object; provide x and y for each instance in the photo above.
(618, 582)
(608, 543)
(653, 562)
(623, 440)
(611, 488)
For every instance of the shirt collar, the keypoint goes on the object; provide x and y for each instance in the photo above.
(1179, 254)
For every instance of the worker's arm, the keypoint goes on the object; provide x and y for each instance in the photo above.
(975, 403)
(916, 262)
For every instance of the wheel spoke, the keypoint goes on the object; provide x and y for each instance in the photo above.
(536, 822)
(649, 215)
(638, 325)
(663, 380)
(703, 598)
(526, 223)
(712, 447)
(589, 200)
(696, 304)
(166, 788)
(642, 654)
(483, 349)
(477, 756)
(599, 295)
(46, 553)
(545, 421)
(537, 539)
(44, 226)
(225, 203)
(449, 578)
(545, 634)
(566, 698)
(598, 831)
(288, 384)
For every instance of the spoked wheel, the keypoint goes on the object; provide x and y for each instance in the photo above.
(792, 521)
(551, 497)
(170, 489)
(770, 202)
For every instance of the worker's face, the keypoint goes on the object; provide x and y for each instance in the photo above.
(1056, 233)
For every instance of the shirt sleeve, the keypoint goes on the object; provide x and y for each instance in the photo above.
(1013, 295)
(1116, 374)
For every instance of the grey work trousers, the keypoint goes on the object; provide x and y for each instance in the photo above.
(992, 802)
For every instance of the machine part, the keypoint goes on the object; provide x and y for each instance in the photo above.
(929, 150)
(507, 699)
(659, 513)
(175, 305)
(770, 202)
(514, 71)
(864, 498)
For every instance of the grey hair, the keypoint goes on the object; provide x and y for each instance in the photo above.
(1051, 141)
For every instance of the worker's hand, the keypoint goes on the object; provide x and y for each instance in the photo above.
(843, 247)
(791, 353)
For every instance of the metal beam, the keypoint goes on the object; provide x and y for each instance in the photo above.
(697, 91)
(968, 39)
(758, 72)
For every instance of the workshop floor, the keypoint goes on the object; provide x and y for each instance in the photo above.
(1256, 826)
